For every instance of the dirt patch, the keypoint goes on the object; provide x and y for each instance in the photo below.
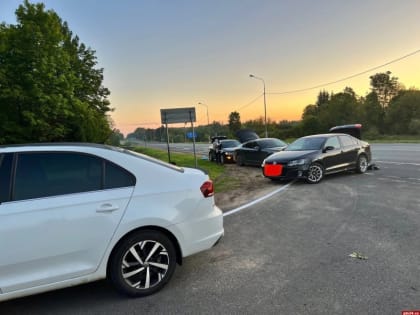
(248, 184)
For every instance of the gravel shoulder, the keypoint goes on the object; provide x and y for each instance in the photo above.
(251, 185)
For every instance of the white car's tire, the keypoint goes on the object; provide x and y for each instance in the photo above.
(142, 263)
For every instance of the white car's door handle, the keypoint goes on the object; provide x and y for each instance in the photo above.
(107, 207)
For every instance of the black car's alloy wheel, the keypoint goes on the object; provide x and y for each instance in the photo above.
(362, 164)
(315, 173)
(142, 264)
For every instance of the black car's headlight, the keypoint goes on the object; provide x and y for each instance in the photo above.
(297, 162)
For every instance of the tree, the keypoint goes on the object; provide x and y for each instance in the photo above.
(350, 91)
(323, 98)
(50, 88)
(404, 113)
(385, 87)
(311, 125)
(310, 110)
(115, 137)
(372, 114)
(343, 108)
(234, 122)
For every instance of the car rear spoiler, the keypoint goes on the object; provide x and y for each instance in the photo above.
(354, 130)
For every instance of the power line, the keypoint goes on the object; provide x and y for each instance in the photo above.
(349, 77)
(250, 103)
(142, 123)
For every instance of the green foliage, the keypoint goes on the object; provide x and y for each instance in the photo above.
(257, 125)
(403, 113)
(385, 87)
(115, 138)
(372, 113)
(401, 116)
(342, 108)
(178, 134)
(414, 126)
(311, 124)
(310, 110)
(50, 88)
(323, 98)
(338, 109)
(234, 122)
(187, 159)
(387, 109)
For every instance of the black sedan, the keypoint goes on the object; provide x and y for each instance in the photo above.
(255, 151)
(312, 157)
(226, 149)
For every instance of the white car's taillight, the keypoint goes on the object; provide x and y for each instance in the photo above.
(207, 189)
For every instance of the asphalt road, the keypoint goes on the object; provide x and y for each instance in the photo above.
(290, 254)
(399, 152)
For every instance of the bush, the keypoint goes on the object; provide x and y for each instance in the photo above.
(414, 127)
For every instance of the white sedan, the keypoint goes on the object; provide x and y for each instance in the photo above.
(74, 213)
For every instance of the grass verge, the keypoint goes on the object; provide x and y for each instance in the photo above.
(222, 182)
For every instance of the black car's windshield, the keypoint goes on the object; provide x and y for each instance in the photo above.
(306, 144)
(271, 143)
(230, 143)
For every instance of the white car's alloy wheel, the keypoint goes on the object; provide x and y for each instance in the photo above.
(143, 263)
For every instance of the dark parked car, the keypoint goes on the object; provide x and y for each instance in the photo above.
(218, 138)
(226, 148)
(255, 151)
(314, 156)
(245, 135)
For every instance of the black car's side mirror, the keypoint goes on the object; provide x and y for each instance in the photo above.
(257, 148)
(328, 148)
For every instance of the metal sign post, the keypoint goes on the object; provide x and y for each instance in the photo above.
(192, 126)
(178, 115)
(164, 121)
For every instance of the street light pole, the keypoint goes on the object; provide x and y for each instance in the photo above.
(207, 108)
(265, 105)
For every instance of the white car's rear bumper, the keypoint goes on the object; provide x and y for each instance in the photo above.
(201, 234)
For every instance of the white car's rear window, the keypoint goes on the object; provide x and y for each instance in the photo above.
(153, 160)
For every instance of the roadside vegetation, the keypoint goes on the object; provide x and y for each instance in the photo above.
(50, 86)
(389, 112)
(216, 171)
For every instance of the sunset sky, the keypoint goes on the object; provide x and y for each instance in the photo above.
(170, 53)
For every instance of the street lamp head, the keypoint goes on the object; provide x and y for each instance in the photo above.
(207, 108)
(265, 105)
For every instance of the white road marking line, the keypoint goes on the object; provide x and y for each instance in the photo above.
(257, 200)
(402, 178)
(396, 148)
(286, 186)
(399, 163)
